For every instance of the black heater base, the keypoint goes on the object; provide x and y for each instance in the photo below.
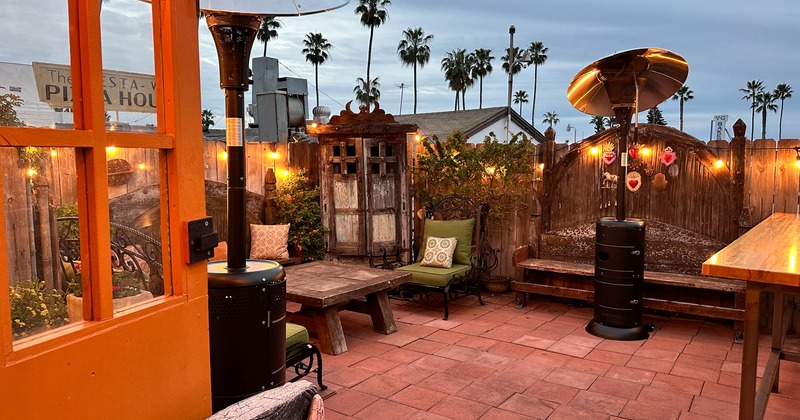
(597, 329)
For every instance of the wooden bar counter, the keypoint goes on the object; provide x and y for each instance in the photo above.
(768, 259)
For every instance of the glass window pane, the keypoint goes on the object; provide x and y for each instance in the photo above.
(134, 194)
(128, 65)
(39, 196)
(35, 81)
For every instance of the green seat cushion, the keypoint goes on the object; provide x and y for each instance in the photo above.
(295, 334)
(461, 229)
(434, 276)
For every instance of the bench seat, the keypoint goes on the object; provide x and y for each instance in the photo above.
(662, 291)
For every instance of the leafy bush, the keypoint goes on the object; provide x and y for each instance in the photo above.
(494, 172)
(298, 204)
(35, 309)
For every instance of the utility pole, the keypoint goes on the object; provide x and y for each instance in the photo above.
(401, 86)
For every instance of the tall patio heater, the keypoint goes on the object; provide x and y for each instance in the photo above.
(247, 298)
(621, 85)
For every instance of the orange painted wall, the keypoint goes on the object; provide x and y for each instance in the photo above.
(151, 363)
(156, 366)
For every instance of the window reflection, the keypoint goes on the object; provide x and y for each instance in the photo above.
(39, 190)
(38, 97)
(134, 194)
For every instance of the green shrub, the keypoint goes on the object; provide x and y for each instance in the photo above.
(495, 173)
(35, 309)
(298, 204)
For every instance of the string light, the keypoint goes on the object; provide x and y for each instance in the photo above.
(142, 166)
(490, 170)
(645, 151)
(224, 155)
(111, 149)
(797, 158)
(32, 172)
(594, 150)
(719, 163)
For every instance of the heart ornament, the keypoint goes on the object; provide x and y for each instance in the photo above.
(633, 181)
(609, 157)
(633, 151)
(668, 157)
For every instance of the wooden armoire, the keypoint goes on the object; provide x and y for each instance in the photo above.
(365, 183)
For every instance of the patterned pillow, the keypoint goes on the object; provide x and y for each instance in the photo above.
(269, 242)
(439, 252)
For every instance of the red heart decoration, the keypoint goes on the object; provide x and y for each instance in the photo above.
(633, 153)
(668, 158)
(633, 183)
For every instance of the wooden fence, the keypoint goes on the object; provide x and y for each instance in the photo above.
(694, 200)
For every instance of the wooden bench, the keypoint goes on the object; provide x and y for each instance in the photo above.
(662, 291)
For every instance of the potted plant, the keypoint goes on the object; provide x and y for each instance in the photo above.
(297, 200)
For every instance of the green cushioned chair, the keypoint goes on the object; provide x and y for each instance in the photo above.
(298, 349)
(458, 217)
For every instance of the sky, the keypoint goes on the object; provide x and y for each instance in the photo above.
(725, 43)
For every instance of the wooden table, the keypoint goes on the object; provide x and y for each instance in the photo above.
(324, 287)
(768, 259)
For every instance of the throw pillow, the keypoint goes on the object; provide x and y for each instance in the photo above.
(461, 229)
(269, 242)
(439, 252)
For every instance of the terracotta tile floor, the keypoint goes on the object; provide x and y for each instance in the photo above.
(499, 362)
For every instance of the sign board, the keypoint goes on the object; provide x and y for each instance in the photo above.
(719, 126)
(123, 91)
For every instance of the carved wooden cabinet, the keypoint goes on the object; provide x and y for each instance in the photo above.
(365, 181)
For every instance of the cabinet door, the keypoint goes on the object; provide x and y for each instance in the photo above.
(384, 168)
(343, 206)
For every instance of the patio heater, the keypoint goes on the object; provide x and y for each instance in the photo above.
(247, 298)
(622, 85)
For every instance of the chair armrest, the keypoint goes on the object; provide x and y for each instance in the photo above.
(288, 402)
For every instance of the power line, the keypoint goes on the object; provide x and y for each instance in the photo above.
(312, 85)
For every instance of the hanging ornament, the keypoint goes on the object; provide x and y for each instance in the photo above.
(633, 181)
(659, 182)
(609, 180)
(633, 151)
(673, 171)
(668, 157)
(609, 157)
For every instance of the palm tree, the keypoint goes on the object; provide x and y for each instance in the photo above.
(538, 57)
(765, 101)
(367, 94)
(599, 123)
(683, 94)
(482, 67)
(316, 51)
(373, 14)
(268, 30)
(550, 118)
(456, 67)
(207, 119)
(414, 50)
(783, 92)
(610, 122)
(754, 87)
(518, 63)
(521, 97)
